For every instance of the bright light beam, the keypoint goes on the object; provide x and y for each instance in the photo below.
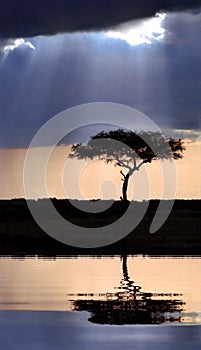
(17, 43)
(147, 32)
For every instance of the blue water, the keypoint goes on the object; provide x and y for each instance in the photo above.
(36, 330)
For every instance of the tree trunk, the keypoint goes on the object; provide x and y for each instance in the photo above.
(125, 268)
(125, 187)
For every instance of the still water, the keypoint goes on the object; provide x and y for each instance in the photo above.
(113, 290)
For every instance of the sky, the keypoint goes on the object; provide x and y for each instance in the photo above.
(59, 54)
(97, 179)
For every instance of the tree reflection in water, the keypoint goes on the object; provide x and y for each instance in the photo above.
(129, 305)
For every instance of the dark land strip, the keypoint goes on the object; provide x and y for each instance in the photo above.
(179, 235)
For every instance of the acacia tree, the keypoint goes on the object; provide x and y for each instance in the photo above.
(128, 150)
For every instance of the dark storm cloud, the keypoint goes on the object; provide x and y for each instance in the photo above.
(183, 27)
(163, 80)
(26, 18)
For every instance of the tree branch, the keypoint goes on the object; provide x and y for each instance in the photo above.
(139, 165)
(121, 172)
(122, 164)
(134, 161)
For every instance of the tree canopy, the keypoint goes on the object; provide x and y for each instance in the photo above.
(128, 150)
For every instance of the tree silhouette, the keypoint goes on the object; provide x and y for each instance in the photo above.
(129, 150)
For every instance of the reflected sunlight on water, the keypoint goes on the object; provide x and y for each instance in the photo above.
(115, 290)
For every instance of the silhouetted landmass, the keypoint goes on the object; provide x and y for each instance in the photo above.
(180, 234)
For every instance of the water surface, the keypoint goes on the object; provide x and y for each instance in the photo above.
(114, 290)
